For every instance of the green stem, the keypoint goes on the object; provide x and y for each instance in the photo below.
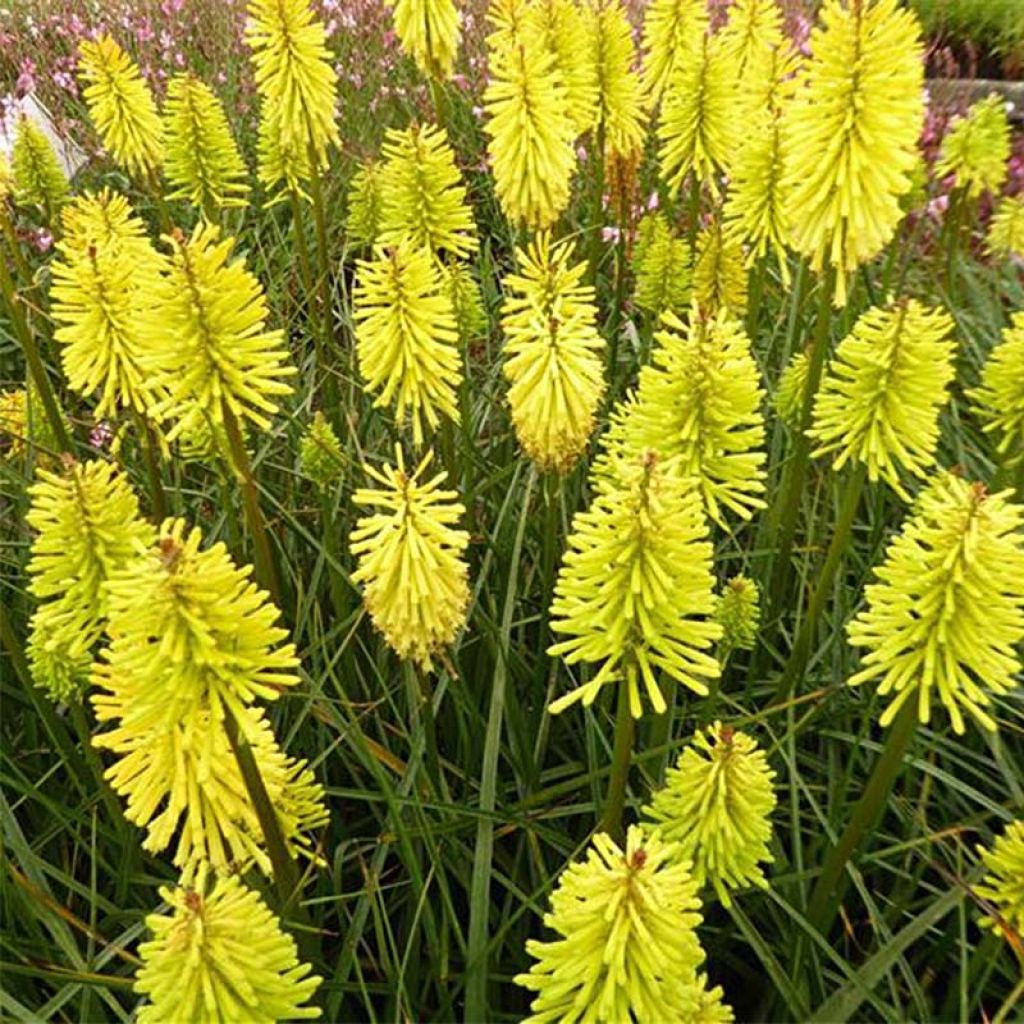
(421, 715)
(693, 217)
(597, 209)
(801, 652)
(21, 265)
(161, 206)
(266, 574)
(305, 270)
(622, 754)
(795, 474)
(32, 358)
(832, 882)
(147, 438)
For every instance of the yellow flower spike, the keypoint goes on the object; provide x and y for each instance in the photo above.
(999, 399)
(422, 198)
(1003, 885)
(620, 97)
(406, 336)
(627, 946)
(716, 804)
(697, 128)
(738, 611)
(851, 134)
(562, 25)
(24, 427)
(711, 1010)
(429, 32)
(529, 127)
(467, 302)
(88, 529)
(411, 559)
(7, 184)
(1006, 229)
(320, 456)
(365, 205)
(881, 395)
(662, 265)
(38, 177)
(551, 353)
(101, 293)
(121, 106)
(698, 405)
(673, 29)
(634, 592)
(754, 28)
(977, 148)
(203, 163)
(220, 955)
(210, 345)
(947, 614)
(297, 84)
(788, 399)
(719, 272)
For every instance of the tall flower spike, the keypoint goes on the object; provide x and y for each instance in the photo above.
(429, 32)
(211, 348)
(739, 613)
(39, 179)
(88, 528)
(101, 291)
(552, 354)
(698, 406)
(881, 396)
(411, 559)
(672, 30)
(221, 956)
(562, 25)
(851, 134)
(627, 946)
(712, 1010)
(467, 302)
(530, 130)
(620, 97)
(121, 106)
(1003, 885)
(999, 400)
(422, 198)
(320, 456)
(716, 804)
(297, 84)
(754, 29)
(663, 268)
(634, 592)
(203, 163)
(719, 272)
(406, 336)
(947, 611)
(24, 427)
(7, 184)
(977, 148)
(365, 205)
(789, 391)
(1006, 229)
(697, 128)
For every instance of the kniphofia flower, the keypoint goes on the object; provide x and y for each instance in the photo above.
(320, 455)
(411, 562)
(662, 266)
(467, 302)
(297, 84)
(716, 804)
(24, 427)
(38, 177)
(719, 272)
(429, 32)
(789, 391)
(697, 128)
(851, 134)
(977, 148)
(946, 617)
(738, 611)
(121, 106)
(634, 592)
(203, 163)
(552, 353)
(1006, 229)
(1003, 884)
(562, 25)
(627, 947)
(673, 29)
(218, 954)
(365, 205)
(406, 336)
(753, 30)
(698, 406)
(210, 347)
(88, 527)
(529, 127)
(422, 198)
(999, 399)
(880, 399)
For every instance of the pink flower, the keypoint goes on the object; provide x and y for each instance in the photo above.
(26, 82)
(610, 233)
